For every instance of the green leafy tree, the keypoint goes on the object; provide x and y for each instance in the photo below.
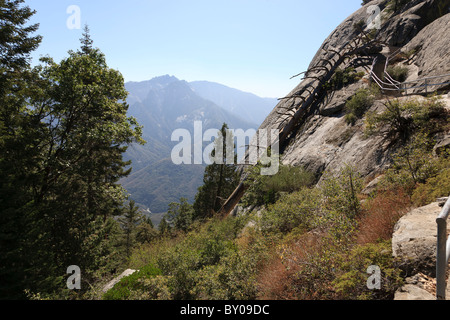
(64, 154)
(87, 131)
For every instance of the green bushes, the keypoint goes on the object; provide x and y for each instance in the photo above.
(342, 78)
(303, 246)
(320, 250)
(398, 73)
(207, 263)
(434, 187)
(333, 206)
(292, 211)
(124, 289)
(356, 107)
(350, 282)
(401, 120)
(265, 190)
(414, 124)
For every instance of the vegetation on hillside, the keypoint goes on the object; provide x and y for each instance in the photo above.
(299, 235)
(297, 239)
(63, 130)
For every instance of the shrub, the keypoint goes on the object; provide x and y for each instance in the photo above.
(234, 278)
(343, 77)
(398, 73)
(204, 264)
(413, 164)
(200, 249)
(124, 288)
(351, 275)
(296, 210)
(380, 214)
(340, 191)
(154, 288)
(401, 120)
(265, 190)
(316, 265)
(433, 188)
(361, 101)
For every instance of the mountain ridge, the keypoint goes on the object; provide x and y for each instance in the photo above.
(164, 104)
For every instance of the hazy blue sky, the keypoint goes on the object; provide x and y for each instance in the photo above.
(251, 45)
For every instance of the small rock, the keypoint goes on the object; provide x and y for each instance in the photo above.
(413, 292)
(372, 185)
(113, 282)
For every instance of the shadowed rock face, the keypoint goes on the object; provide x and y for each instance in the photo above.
(431, 50)
(323, 140)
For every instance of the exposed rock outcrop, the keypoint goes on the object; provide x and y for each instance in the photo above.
(414, 244)
(113, 282)
(323, 140)
(414, 239)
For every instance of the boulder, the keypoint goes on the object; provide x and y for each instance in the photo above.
(417, 287)
(442, 144)
(412, 292)
(414, 239)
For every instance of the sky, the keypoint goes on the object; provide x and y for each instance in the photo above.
(251, 45)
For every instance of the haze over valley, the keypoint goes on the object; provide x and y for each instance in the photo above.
(164, 104)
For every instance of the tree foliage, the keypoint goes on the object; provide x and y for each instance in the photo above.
(220, 178)
(63, 130)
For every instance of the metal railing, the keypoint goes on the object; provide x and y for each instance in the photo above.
(442, 251)
(393, 85)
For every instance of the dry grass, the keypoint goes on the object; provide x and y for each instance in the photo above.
(381, 214)
(278, 279)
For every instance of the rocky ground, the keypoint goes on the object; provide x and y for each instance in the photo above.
(414, 243)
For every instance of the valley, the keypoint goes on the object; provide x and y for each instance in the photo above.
(162, 105)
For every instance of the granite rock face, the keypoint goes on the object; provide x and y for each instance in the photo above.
(415, 237)
(323, 140)
(431, 52)
(414, 243)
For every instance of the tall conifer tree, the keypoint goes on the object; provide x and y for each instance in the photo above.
(220, 177)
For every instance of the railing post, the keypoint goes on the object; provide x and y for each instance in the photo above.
(441, 263)
(441, 252)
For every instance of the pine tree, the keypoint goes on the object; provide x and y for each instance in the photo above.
(180, 215)
(163, 227)
(16, 42)
(129, 223)
(220, 177)
(86, 41)
(19, 134)
(63, 159)
(146, 232)
(87, 132)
